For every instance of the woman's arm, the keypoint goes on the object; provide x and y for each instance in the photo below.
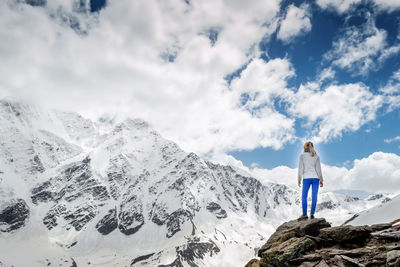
(319, 171)
(300, 170)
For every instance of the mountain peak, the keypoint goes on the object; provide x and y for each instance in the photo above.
(133, 124)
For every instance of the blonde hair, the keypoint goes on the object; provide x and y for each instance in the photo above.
(311, 147)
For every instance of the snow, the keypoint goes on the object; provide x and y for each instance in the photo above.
(383, 213)
(143, 173)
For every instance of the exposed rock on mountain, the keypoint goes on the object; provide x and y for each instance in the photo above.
(14, 215)
(119, 193)
(315, 243)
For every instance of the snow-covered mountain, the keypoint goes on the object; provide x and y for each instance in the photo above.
(74, 192)
(388, 211)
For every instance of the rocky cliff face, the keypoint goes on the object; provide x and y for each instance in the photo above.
(315, 243)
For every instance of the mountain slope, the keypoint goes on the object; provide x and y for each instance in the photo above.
(75, 192)
(384, 213)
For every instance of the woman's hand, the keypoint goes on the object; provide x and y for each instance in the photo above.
(299, 183)
(321, 184)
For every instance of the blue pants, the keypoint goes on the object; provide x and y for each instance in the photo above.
(307, 182)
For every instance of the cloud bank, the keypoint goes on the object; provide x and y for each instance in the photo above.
(377, 173)
(193, 69)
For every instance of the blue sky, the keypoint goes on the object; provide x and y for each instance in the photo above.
(306, 54)
(243, 83)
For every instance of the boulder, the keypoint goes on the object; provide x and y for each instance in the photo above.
(392, 256)
(379, 227)
(281, 254)
(294, 228)
(346, 234)
(253, 263)
(314, 243)
(385, 234)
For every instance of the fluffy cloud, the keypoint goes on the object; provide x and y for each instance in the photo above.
(154, 60)
(378, 172)
(388, 5)
(391, 91)
(165, 62)
(339, 6)
(335, 109)
(262, 81)
(342, 6)
(296, 22)
(358, 49)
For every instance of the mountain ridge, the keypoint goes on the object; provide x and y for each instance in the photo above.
(92, 195)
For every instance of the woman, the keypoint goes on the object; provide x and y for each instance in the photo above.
(310, 171)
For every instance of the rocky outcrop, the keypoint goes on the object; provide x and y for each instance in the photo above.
(315, 243)
(14, 215)
(216, 209)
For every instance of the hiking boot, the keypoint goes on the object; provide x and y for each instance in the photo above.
(312, 216)
(302, 217)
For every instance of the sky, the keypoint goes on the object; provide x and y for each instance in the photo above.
(244, 83)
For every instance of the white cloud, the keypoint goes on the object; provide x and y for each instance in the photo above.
(388, 5)
(280, 175)
(262, 81)
(391, 91)
(389, 52)
(118, 67)
(343, 6)
(394, 139)
(335, 109)
(296, 22)
(376, 173)
(358, 48)
(326, 74)
(339, 6)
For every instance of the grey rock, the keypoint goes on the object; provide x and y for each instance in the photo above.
(216, 209)
(14, 215)
(108, 223)
(392, 255)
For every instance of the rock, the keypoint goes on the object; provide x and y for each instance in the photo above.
(338, 261)
(80, 217)
(281, 254)
(253, 263)
(130, 223)
(349, 252)
(322, 263)
(309, 257)
(216, 209)
(295, 244)
(392, 256)
(14, 216)
(130, 217)
(353, 261)
(308, 264)
(387, 235)
(175, 221)
(346, 234)
(141, 258)
(108, 223)
(294, 228)
(379, 227)
(195, 249)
